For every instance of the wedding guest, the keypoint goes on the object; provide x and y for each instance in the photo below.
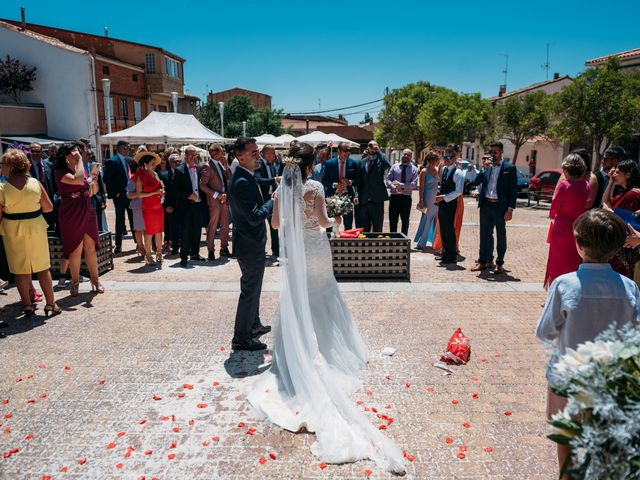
(428, 191)
(163, 165)
(266, 176)
(52, 152)
(135, 204)
(78, 222)
(589, 176)
(99, 198)
(171, 221)
(469, 177)
(452, 151)
(318, 169)
(24, 230)
(612, 157)
(568, 204)
(372, 189)
(341, 177)
(149, 187)
(401, 180)
(625, 178)
(42, 170)
(214, 183)
(451, 187)
(117, 172)
(189, 206)
(496, 200)
(580, 305)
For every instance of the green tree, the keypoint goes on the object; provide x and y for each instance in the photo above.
(521, 117)
(15, 78)
(265, 120)
(236, 110)
(601, 106)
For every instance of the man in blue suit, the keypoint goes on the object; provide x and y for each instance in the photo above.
(496, 200)
(249, 209)
(341, 176)
(266, 176)
(117, 172)
(42, 169)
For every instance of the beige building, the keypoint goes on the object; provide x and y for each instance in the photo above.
(258, 100)
(628, 60)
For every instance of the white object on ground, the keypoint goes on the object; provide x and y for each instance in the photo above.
(388, 351)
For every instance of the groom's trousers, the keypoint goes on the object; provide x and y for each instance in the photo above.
(248, 312)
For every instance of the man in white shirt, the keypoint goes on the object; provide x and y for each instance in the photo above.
(451, 187)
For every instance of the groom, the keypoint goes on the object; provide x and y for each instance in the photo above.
(249, 210)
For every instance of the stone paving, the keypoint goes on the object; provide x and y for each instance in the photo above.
(141, 382)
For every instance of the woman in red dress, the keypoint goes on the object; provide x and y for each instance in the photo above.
(151, 190)
(625, 181)
(569, 202)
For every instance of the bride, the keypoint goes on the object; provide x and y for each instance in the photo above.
(318, 354)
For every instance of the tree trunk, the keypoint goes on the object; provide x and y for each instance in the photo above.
(515, 154)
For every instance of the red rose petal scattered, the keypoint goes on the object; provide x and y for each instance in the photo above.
(370, 393)
(171, 456)
(127, 454)
(216, 384)
(8, 416)
(111, 445)
(101, 382)
(251, 431)
(388, 377)
(367, 409)
(45, 477)
(157, 397)
(374, 409)
(119, 465)
(148, 452)
(43, 395)
(29, 377)
(387, 406)
(5, 402)
(18, 380)
(262, 460)
(359, 402)
(64, 469)
(461, 456)
(222, 349)
(29, 437)
(466, 425)
(187, 386)
(176, 429)
(498, 354)
(474, 379)
(322, 466)
(449, 440)
(121, 434)
(484, 360)
(173, 445)
(488, 449)
(7, 430)
(455, 402)
(215, 438)
(202, 405)
(462, 448)
(164, 419)
(173, 418)
(411, 458)
(382, 427)
(142, 477)
(181, 395)
(31, 401)
(240, 424)
(192, 422)
(82, 461)
(475, 396)
(206, 443)
(142, 421)
(67, 367)
(368, 472)
(508, 414)
(164, 346)
(429, 389)
(42, 365)
(272, 456)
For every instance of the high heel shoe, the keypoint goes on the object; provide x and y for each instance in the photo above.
(28, 310)
(97, 286)
(159, 257)
(52, 309)
(141, 252)
(149, 259)
(74, 289)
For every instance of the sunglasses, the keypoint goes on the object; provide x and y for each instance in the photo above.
(448, 157)
(344, 150)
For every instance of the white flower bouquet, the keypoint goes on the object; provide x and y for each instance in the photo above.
(339, 205)
(601, 422)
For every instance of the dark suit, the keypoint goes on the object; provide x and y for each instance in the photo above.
(332, 176)
(191, 214)
(492, 212)
(372, 192)
(171, 223)
(116, 179)
(50, 187)
(250, 210)
(267, 187)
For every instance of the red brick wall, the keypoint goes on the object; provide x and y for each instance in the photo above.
(258, 100)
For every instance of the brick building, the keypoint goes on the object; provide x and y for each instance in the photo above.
(301, 124)
(143, 77)
(258, 100)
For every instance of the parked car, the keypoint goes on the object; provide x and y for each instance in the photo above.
(543, 184)
(523, 183)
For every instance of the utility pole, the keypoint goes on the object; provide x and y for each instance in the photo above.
(506, 68)
(547, 65)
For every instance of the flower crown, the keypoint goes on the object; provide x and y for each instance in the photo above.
(291, 161)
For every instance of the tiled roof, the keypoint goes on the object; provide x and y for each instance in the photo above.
(351, 132)
(42, 38)
(623, 55)
(238, 89)
(534, 86)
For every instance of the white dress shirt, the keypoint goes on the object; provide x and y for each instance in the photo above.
(582, 304)
(193, 174)
(492, 186)
(458, 178)
(235, 163)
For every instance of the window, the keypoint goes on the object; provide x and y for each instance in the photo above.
(137, 111)
(105, 70)
(124, 108)
(150, 62)
(134, 77)
(171, 67)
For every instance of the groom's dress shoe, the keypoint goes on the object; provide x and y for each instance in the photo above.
(261, 330)
(251, 346)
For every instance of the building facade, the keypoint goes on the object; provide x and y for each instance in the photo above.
(258, 100)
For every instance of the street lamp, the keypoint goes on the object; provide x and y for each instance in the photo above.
(244, 128)
(221, 105)
(174, 100)
(106, 90)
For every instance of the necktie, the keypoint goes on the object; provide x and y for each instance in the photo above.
(403, 175)
(369, 165)
(444, 174)
(41, 173)
(341, 174)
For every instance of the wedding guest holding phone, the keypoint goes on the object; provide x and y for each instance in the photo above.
(77, 218)
(372, 188)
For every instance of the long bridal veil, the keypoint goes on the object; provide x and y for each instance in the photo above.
(302, 389)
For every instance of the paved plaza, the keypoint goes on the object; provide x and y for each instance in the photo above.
(141, 382)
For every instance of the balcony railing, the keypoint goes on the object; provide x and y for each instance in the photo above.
(117, 123)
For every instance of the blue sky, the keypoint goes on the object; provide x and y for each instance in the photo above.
(338, 54)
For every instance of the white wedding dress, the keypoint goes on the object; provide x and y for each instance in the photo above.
(318, 354)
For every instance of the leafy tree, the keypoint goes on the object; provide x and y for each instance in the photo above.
(601, 106)
(265, 120)
(521, 117)
(15, 78)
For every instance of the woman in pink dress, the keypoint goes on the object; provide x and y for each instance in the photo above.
(569, 203)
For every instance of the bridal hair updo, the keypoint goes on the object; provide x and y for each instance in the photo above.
(305, 153)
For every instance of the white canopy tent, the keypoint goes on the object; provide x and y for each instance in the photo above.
(285, 139)
(162, 127)
(268, 139)
(331, 139)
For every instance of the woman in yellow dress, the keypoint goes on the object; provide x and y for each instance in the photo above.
(24, 230)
